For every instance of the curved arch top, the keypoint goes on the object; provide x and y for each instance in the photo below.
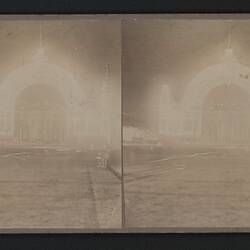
(214, 76)
(41, 72)
(185, 118)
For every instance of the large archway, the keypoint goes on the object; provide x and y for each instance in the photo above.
(23, 79)
(40, 115)
(225, 116)
(228, 72)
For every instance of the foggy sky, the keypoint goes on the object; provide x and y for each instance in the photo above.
(81, 46)
(173, 52)
(88, 49)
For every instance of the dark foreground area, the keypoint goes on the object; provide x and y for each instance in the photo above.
(188, 188)
(56, 188)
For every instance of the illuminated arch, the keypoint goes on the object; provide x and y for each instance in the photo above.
(212, 77)
(230, 71)
(184, 118)
(40, 72)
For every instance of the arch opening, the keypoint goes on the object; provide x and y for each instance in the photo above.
(225, 116)
(40, 116)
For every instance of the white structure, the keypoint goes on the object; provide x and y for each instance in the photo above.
(80, 117)
(215, 121)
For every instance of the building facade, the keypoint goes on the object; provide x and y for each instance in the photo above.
(214, 108)
(42, 103)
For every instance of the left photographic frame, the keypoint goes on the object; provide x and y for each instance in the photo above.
(60, 123)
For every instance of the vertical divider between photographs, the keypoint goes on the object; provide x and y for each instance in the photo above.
(122, 165)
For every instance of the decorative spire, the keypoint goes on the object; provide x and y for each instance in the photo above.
(229, 55)
(39, 54)
(229, 45)
(40, 35)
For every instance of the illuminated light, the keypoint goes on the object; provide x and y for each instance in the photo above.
(40, 56)
(229, 55)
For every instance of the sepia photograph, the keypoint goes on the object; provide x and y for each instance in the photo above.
(60, 122)
(186, 122)
(124, 123)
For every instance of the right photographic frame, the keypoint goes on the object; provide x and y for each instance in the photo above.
(186, 122)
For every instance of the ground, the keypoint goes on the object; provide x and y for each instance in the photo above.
(56, 188)
(189, 188)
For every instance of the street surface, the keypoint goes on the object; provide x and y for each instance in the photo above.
(205, 188)
(56, 188)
